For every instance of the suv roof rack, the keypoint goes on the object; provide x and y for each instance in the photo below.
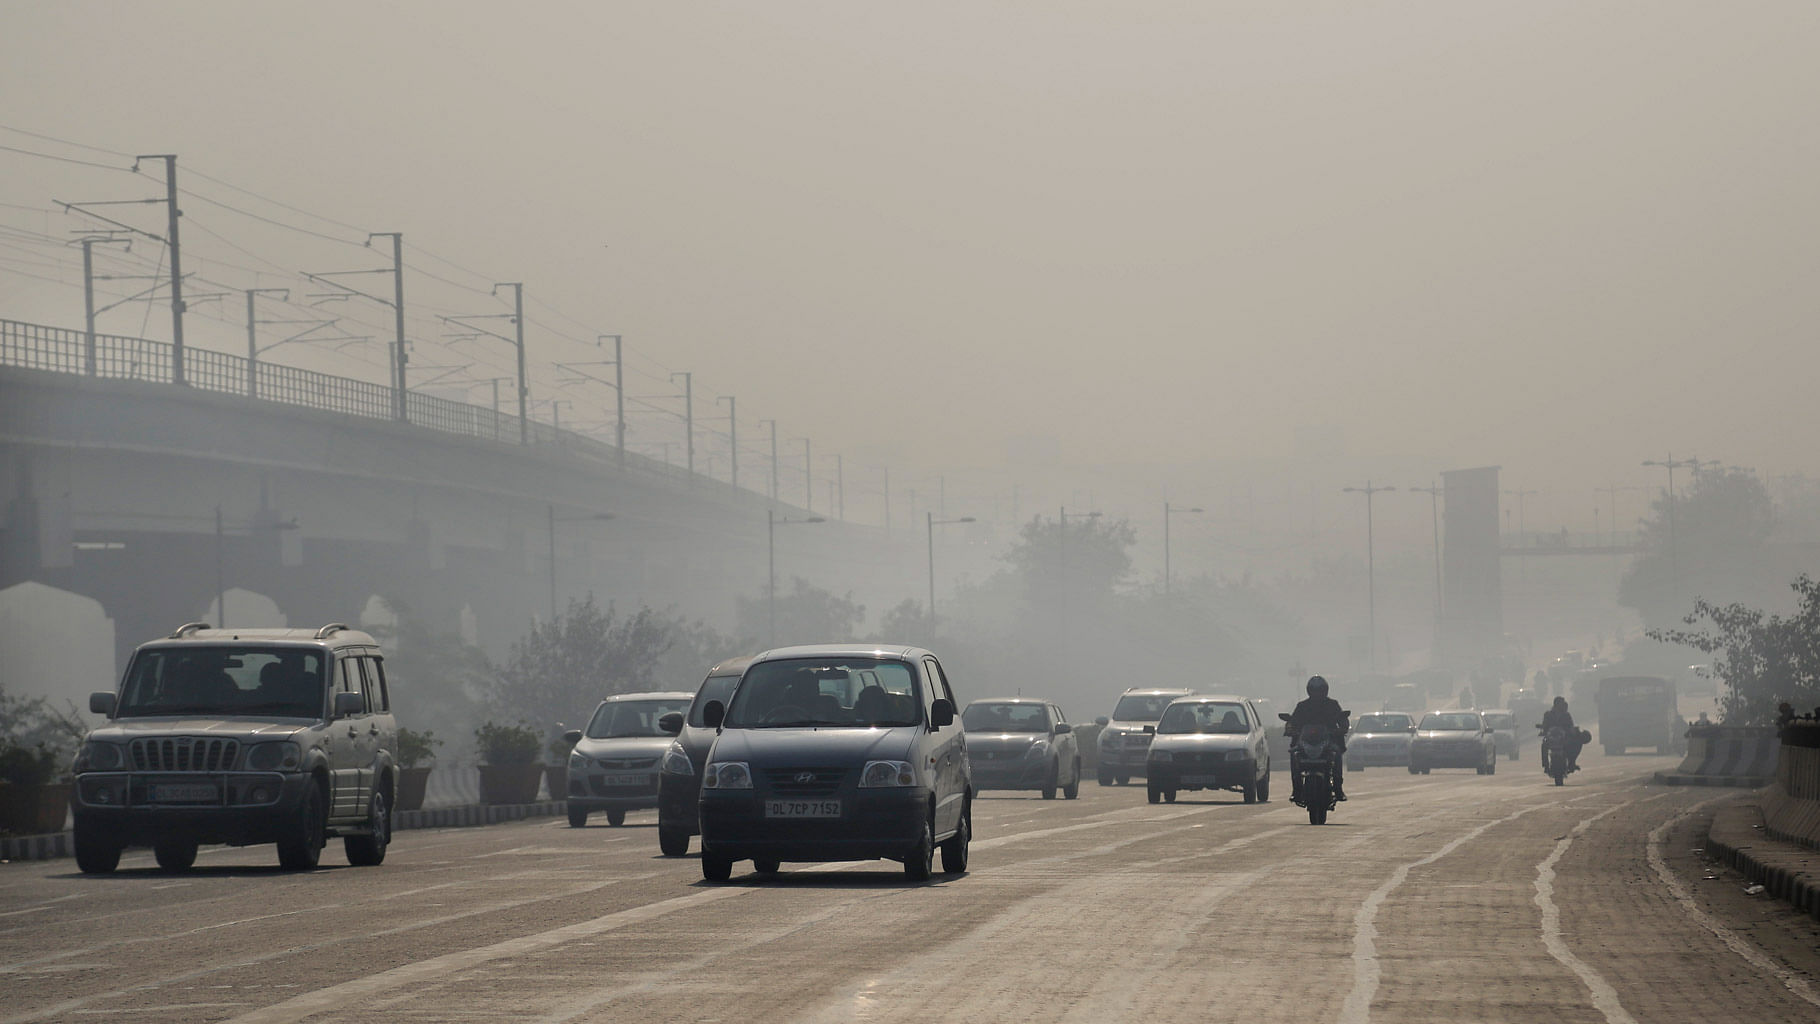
(187, 628)
(332, 628)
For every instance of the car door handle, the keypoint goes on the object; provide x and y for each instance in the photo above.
(350, 732)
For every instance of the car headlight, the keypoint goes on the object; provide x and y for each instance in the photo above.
(274, 757)
(578, 762)
(1109, 738)
(96, 756)
(1037, 748)
(676, 762)
(1161, 756)
(727, 775)
(878, 774)
(1235, 755)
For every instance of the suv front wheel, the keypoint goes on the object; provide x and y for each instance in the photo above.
(95, 854)
(301, 848)
(369, 850)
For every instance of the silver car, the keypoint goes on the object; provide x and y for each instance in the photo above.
(615, 763)
(1021, 743)
(1503, 726)
(1379, 739)
(1124, 743)
(1210, 742)
(1452, 739)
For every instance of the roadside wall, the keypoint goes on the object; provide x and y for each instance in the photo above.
(1791, 807)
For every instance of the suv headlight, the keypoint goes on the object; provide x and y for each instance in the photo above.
(677, 762)
(274, 757)
(1110, 737)
(878, 774)
(96, 756)
(727, 775)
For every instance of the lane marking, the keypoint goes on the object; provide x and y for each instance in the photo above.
(1732, 940)
(1365, 970)
(1604, 996)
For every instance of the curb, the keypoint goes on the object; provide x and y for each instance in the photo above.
(1737, 781)
(1726, 840)
(54, 845)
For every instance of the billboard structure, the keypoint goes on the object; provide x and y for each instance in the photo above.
(1472, 606)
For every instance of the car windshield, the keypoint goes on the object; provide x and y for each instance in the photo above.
(997, 717)
(1135, 708)
(854, 693)
(617, 718)
(713, 688)
(224, 680)
(1214, 717)
(1382, 723)
(1451, 723)
(1498, 722)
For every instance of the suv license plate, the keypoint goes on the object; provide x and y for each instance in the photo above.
(625, 779)
(802, 808)
(184, 793)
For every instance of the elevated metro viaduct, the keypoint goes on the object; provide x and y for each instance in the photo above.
(112, 489)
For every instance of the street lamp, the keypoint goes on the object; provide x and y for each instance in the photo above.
(1434, 509)
(1671, 464)
(594, 517)
(771, 525)
(1167, 512)
(933, 523)
(1371, 581)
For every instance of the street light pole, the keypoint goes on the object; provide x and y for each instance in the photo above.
(732, 437)
(771, 525)
(1167, 512)
(1434, 509)
(933, 523)
(1371, 580)
(1671, 464)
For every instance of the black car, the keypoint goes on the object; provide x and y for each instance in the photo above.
(837, 753)
(679, 784)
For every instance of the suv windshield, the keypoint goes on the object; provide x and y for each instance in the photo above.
(1451, 723)
(1222, 717)
(1382, 723)
(838, 692)
(1136, 708)
(631, 718)
(226, 680)
(1005, 718)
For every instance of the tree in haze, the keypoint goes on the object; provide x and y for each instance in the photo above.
(562, 668)
(1762, 659)
(697, 647)
(1717, 549)
(806, 614)
(436, 679)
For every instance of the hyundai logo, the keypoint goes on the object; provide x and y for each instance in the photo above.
(805, 777)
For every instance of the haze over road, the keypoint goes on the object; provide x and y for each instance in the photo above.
(1445, 897)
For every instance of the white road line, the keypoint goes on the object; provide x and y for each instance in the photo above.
(1365, 970)
(1604, 996)
(1733, 941)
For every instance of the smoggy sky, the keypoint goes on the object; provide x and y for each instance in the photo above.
(1099, 245)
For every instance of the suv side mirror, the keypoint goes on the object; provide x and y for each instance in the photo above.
(941, 713)
(101, 703)
(349, 704)
(713, 713)
(1150, 730)
(1063, 728)
(1102, 721)
(670, 722)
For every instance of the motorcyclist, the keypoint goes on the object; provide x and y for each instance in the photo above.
(1322, 709)
(1559, 715)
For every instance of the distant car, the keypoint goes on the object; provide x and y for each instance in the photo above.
(614, 765)
(1279, 740)
(679, 782)
(1210, 742)
(836, 752)
(1452, 739)
(1380, 739)
(1022, 743)
(1124, 740)
(1504, 733)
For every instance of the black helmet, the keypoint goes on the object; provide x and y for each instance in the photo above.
(1317, 687)
(1560, 702)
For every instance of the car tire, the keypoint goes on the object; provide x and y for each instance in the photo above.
(1264, 785)
(616, 817)
(1425, 771)
(1105, 778)
(1073, 788)
(919, 863)
(715, 868)
(766, 865)
(1413, 770)
(1250, 789)
(954, 850)
(1124, 780)
(369, 850)
(1055, 772)
(578, 818)
(300, 849)
(1492, 767)
(174, 854)
(95, 854)
(1168, 796)
(1156, 793)
(674, 842)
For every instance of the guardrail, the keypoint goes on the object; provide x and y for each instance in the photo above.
(118, 357)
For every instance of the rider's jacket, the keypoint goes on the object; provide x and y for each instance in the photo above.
(1561, 717)
(1325, 710)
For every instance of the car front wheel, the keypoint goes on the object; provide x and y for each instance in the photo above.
(369, 850)
(301, 849)
(919, 864)
(954, 850)
(95, 855)
(674, 842)
(716, 868)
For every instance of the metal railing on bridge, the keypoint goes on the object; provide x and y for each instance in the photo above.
(117, 357)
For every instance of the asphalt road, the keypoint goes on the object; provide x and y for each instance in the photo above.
(1449, 897)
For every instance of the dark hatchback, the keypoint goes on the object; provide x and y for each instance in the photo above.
(679, 784)
(837, 753)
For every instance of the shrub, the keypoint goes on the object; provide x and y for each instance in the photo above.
(508, 744)
(416, 749)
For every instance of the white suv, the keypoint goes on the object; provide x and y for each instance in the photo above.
(241, 736)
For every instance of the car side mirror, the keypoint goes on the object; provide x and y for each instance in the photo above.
(941, 713)
(572, 737)
(102, 703)
(1063, 728)
(347, 704)
(1284, 715)
(1412, 730)
(1102, 721)
(713, 713)
(670, 722)
(1150, 730)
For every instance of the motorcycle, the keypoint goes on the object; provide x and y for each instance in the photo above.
(1316, 751)
(1554, 752)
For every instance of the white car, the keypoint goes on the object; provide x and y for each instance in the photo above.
(1380, 739)
(1209, 742)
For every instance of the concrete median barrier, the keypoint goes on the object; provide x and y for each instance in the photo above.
(1725, 755)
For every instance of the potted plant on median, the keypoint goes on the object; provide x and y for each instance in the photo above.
(416, 756)
(36, 747)
(509, 768)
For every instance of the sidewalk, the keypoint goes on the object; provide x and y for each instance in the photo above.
(1789, 871)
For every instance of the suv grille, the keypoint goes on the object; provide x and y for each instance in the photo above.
(184, 754)
(804, 781)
